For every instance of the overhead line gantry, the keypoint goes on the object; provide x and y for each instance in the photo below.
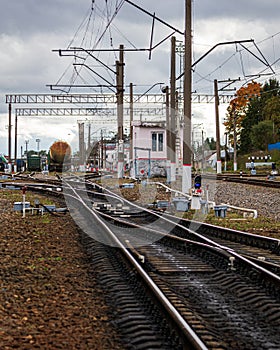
(105, 102)
(104, 98)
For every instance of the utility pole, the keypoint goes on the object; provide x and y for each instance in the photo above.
(26, 147)
(10, 133)
(234, 142)
(131, 120)
(26, 150)
(88, 145)
(38, 145)
(218, 143)
(15, 150)
(187, 153)
(168, 134)
(225, 168)
(172, 111)
(120, 91)
(101, 164)
(81, 142)
(202, 150)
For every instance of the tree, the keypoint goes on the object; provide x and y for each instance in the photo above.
(271, 88)
(262, 134)
(210, 143)
(253, 117)
(272, 113)
(238, 108)
(260, 108)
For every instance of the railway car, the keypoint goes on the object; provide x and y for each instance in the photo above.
(3, 162)
(34, 162)
(59, 156)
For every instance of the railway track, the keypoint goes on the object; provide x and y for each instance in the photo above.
(209, 295)
(261, 181)
(172, 269)
(264, 251)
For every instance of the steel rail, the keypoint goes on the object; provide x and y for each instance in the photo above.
(236, 258)
(262, 271)
(191, 339)
(208, 241)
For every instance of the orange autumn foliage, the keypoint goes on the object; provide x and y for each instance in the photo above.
(244, 94)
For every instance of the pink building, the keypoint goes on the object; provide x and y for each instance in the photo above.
(149, 149)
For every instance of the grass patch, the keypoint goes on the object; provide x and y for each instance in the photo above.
(233, 220)
(45, 220)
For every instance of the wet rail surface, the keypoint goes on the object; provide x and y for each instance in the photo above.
(222, 297)
(263, 250)
(227, 303)
(224, 308)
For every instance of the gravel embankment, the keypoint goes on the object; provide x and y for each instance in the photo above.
(264, 199)
(49, 299)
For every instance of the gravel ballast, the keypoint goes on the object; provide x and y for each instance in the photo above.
(265, 200)
(49, 296)
(49, 299)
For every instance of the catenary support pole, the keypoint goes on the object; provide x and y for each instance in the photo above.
(168, 135)
(10, 133)
(15, 150)
(172, 111)
(202, 150)
(89, 141)
(120, 90)
(131, 120)
(81, 127)
(234, 142)
(218, 147)
(225, 165)
(187, 153)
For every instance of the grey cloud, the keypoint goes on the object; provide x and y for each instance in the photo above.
(30, 29)
(249, 9)
(25, 17)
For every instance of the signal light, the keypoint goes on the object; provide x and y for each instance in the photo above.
(197, 182)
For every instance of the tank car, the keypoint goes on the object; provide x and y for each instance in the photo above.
(59, 156)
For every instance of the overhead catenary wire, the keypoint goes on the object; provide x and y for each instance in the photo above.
(79, 28)
(260, 73)
(107, 15)
(108, 18)
(110, 32)
(86, 22)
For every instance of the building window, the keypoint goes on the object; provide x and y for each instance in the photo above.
(157, 141)
(160, 142)
(154, 142)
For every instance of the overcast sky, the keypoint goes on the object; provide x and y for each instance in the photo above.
(31, 29)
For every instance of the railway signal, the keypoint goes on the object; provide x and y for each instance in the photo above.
(197, 182)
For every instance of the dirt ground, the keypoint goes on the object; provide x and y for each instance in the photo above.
(49, 299)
